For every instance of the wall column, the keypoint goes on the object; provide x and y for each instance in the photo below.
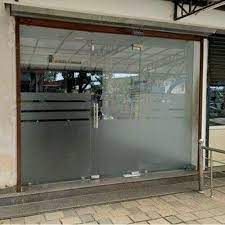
(7, 99)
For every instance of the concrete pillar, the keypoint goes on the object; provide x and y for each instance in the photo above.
(7, 99)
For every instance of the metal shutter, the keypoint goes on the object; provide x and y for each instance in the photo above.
(216, 69)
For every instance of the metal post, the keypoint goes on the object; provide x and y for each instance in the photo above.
(200, 166)
(211, 174)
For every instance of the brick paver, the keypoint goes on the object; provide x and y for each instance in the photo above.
(85, 210)
(182, 208)
(54, 215)
(57, 221)
(70, 220)
(173, 219)
(220, 219)
(139, 217)
(105, 221)
(87, 218)
(69, 213)
(207, 221)
(158, 221)
(34, 219)
(121, 220)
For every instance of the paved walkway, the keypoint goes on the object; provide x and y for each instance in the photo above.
(183, 208)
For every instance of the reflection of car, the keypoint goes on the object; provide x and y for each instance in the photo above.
(216, 105)
(155, 87)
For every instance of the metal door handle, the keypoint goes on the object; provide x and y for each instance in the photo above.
(94, 115)
(96, 119)
(95, 109)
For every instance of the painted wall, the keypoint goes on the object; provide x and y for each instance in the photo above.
(7, 100)
(217, 140)
(150, 10)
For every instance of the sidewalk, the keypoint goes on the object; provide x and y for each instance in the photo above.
(183, 208)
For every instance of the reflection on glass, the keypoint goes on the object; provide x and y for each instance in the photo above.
(216, 105)
(59, 82)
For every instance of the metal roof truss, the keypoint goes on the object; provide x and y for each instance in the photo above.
(185, 8)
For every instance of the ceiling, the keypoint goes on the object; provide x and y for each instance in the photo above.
(112, 53)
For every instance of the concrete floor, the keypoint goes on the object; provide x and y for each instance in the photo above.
(182, 208)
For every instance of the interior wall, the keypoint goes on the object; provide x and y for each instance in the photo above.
(7, 99)
(216, 137)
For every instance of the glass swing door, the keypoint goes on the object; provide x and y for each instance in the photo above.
(144, 106)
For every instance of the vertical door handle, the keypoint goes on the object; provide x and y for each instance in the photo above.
(94, 115)
(96, 119)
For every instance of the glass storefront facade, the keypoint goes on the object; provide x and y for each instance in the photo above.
(104, 104)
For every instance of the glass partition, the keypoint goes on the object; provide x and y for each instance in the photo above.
(217, 105)
(55, 107)
(104, 104)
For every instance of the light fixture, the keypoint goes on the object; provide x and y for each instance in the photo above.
(92, 46)
(137, 47)
(52, 59)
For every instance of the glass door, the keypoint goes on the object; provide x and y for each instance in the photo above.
(115, 138)
(144, 106)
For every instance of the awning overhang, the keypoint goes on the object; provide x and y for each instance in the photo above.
(22, 10)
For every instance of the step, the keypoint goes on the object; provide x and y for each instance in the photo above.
(69, 189)
(124, 194)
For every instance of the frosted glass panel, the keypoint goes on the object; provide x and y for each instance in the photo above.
(165, 128)
(146, 108)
